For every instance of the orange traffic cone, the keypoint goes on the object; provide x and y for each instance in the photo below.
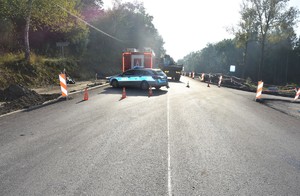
(188, 85)
(150, 91)
(86, 95)
(123, 93)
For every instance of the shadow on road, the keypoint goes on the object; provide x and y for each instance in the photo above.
(265, 100)
(134, 92)
(35, 107)
(80, 101)
(174, 81)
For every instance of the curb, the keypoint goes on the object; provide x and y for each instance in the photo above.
(50, 102)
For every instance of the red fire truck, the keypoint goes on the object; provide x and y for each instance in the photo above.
(134, 58)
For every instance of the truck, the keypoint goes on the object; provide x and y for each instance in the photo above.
(171, 69)
(133, 58)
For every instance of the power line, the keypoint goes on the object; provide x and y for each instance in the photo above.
(115, 38)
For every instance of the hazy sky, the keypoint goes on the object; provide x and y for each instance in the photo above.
(189, 25)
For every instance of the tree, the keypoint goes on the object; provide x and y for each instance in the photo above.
(228, 54)
(133, 28)
(91, 10)
(269, 14)
(36, 14)
(213, 58)
(246, 32)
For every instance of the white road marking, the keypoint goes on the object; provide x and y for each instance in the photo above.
(169, 152)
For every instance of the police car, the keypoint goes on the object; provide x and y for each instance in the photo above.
(140, 77)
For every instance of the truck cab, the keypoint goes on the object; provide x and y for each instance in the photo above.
(169, 66)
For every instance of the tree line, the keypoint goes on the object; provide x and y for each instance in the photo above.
(265, 45)
(95, 37)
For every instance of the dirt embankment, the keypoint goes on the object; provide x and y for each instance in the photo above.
(17, 97)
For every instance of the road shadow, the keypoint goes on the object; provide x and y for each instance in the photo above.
(38, 106)
(134, 92)
(288, 107)
(174, 81)
(81, 101)
(266, 100)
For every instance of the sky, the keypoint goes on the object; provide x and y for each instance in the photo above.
(188, 26)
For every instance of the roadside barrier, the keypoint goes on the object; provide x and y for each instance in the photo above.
(150, 91)
(202, 77)
(123, 93)
(259, 90)
(63, 85)
(220, 80)
(297, 94)
(86, 95)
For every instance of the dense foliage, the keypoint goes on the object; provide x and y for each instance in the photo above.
(130, 26)
(94, 38)
(50, 22)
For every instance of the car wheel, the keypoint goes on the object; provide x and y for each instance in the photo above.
(145, 85)
(114, 83)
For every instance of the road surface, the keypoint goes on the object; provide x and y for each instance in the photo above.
(180, 141)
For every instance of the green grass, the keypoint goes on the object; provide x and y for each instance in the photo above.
(11, 57)
(40, 71)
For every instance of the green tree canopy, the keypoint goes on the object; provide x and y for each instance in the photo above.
(26, 15)
(133, 28)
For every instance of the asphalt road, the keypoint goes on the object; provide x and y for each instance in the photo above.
(180, 141)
